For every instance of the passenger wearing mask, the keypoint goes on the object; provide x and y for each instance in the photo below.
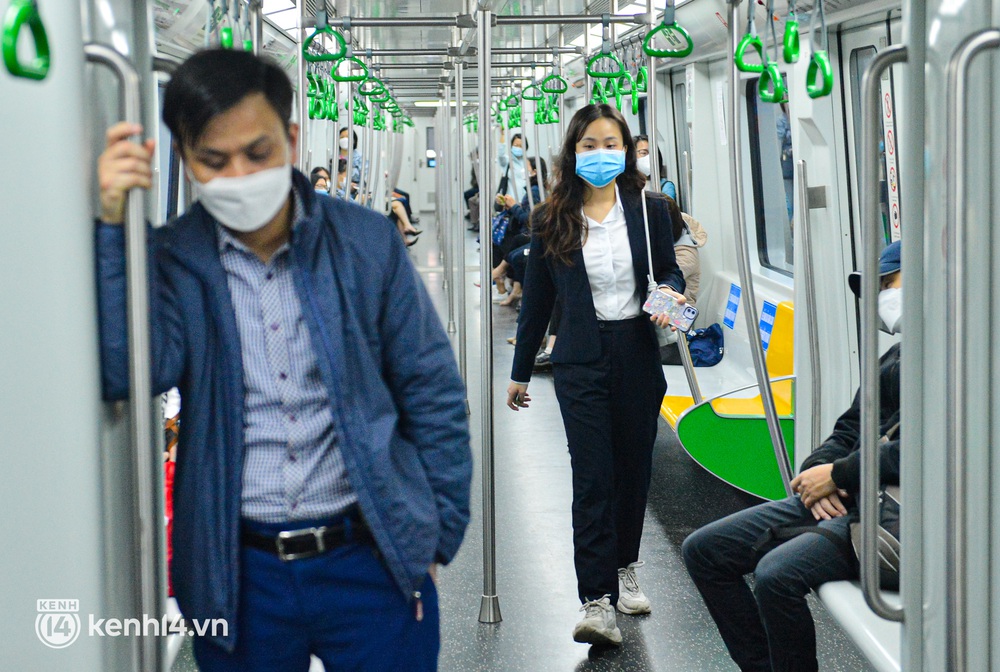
(323, 468)
(770, 628)
(589, 253)
(511, 252)
(642, 163)
(320, 178)
(688, 237)
(512, 170)
(342, 144)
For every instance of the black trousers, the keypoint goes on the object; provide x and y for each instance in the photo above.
(610, 409)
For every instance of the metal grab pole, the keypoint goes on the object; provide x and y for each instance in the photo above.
(489, 608)
(301, 93)
(654, 177)
(256, 10)
(686, 181)
(871, 245)
(148, 514)
(957, 354)
(447, 203)
(459, 252)
(743, 256)
(815, 387)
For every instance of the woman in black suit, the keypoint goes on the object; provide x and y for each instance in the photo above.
(588, 252)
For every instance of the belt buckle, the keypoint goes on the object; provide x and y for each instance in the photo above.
(283, 537)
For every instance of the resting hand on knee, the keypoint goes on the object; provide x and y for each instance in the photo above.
(814, 484)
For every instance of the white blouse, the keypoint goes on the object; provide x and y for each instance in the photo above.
(607, 256)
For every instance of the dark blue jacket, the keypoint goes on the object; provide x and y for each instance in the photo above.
(398, 402)
(547, 280)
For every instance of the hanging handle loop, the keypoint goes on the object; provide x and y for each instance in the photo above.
(680, 41)
(320, 58)
(819, 76)
(790, 42)
(771, 86)
(23, 13)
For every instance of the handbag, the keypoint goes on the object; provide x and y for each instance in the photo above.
(887, 536)
(706, 345)
(498, 228)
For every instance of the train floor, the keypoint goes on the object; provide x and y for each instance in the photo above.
(536, 583)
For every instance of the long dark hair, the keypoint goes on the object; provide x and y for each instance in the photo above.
(560, 223)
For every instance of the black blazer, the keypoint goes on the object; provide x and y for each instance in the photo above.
(547, 280)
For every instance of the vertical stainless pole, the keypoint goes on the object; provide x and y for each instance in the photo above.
(256, 10)
(303, 89)
(147, 515)
(743, 254)
(538, 144)
(349, 39)
(489, 608)
(446, 220)
(654, 177)
(459, 251)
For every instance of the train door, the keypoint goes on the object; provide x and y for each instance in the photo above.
(858, 48)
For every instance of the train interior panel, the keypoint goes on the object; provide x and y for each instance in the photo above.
(776, 139)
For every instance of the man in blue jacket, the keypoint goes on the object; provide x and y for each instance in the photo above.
(324, 464)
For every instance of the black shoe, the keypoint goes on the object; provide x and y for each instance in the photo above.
(542, 362)
(415, 232)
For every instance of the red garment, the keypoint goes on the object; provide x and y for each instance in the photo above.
(168, 510)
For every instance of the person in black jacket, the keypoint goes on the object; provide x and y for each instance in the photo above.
(518, 237)
(771, 628)
(588, 252)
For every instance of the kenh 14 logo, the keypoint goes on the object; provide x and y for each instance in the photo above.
(58, 622)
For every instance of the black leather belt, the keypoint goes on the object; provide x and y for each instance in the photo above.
(310, 541)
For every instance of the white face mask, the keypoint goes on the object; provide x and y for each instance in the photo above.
(343, 143)
(246, 203)
(642, 163)
(890, 308)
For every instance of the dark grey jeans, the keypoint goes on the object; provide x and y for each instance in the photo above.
(769, 629)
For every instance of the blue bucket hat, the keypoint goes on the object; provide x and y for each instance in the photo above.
(888, 263)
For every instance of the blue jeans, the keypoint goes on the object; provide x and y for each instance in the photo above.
(769, 629)
(342, 606)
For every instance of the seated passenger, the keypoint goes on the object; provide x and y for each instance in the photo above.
(320, 178)
(518, 233)
(642, 163)
(771, 628)
(688, 237)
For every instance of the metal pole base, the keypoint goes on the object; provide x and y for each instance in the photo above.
(489, 610)
(451, 327)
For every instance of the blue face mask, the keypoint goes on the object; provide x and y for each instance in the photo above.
(599, 167)
(518, 152)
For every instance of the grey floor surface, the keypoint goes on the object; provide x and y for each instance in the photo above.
(536, 584)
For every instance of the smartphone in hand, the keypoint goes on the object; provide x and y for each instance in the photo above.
(679, 315)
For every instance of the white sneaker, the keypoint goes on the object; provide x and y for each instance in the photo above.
(631, 599)
(598, 625)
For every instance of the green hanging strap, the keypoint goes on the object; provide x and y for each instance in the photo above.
(554, 84)
(323, 28)
(819, 76)
(674, 33)
(790, 43)
(771, 86)
(23, 13)
(749, 40)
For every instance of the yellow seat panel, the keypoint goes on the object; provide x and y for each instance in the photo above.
(780, 358)
(754, 406)
(672, 407)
